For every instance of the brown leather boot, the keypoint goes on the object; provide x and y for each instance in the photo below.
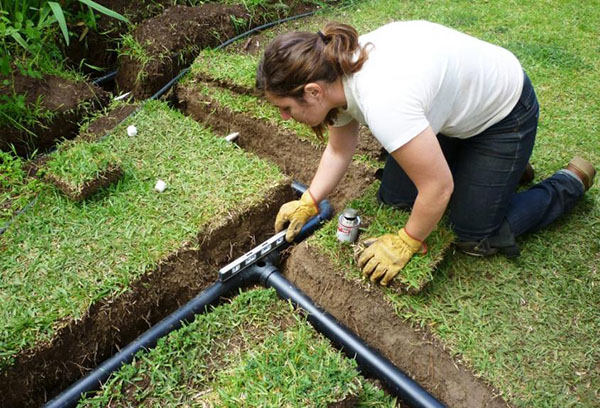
(584, 170)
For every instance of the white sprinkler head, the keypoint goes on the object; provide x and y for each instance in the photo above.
(131, 130)
(160, 186)
(232, 137)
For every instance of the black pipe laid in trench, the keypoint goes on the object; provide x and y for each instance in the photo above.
(266, 273)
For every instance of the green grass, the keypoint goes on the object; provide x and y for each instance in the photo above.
(253, 352)
(221, 65)
(16, 190)
(60, 256)
(76, 163)
(254, 107)
(377, 220)
(529, 326)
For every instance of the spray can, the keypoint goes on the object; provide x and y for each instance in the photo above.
(348, 223)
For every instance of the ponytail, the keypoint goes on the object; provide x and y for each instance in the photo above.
(341, 44)
(294, 59)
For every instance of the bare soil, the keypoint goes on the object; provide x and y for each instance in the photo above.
(104, 124)
(69, 102)
(171, 40)
(98, 48)
(41, 373)
(370, 316)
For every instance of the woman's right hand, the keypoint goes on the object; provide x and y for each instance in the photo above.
(297, 213)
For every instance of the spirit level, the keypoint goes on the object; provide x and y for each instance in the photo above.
(253, 256)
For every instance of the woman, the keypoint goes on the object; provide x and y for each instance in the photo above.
(457, 115)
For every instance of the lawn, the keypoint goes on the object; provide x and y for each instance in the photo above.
(61, 256)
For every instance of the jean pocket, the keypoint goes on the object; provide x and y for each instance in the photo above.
(528, 98)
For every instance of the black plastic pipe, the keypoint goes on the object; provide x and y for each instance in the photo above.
(146, 341)
(267, 274)
(105, 78)
(174, 321)
(367, 358)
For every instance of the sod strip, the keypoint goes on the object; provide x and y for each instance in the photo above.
(528, 326)
(253, 352)
(377, 220)
(226, 67)
(80, 169)
(60, 256)
(252, 106)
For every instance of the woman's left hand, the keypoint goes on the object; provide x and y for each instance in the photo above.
(386, 255)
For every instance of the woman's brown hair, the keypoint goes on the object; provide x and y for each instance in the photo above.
(295, 59)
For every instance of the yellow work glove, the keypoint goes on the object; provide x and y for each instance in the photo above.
(386, 255)
(296, 213)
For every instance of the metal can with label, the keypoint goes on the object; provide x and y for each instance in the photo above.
(348, 223)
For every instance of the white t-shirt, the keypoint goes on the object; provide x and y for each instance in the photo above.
(420, 73)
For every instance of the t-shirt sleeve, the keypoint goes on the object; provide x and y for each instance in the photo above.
(395, 119)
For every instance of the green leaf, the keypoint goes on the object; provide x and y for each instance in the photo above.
(20, 40)
(60, 18)
(104, 10)
(5, 65)
(44, 21)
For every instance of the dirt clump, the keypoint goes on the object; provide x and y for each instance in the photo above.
(98, 47)
(62, 104)
(105, 178)
(370, 316)
(170, 41)
(102, 125)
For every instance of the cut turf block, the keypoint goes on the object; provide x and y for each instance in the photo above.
(78, 192)
(80, 169)
(376, 220)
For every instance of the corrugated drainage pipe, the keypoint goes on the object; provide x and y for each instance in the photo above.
(267, 274)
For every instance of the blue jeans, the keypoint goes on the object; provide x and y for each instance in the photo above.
(486, 169)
